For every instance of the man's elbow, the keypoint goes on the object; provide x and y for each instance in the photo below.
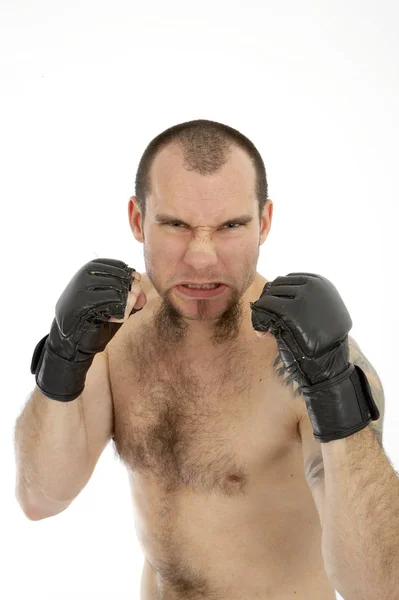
(39, 511)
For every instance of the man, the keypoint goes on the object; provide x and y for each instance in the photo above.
(226, 474)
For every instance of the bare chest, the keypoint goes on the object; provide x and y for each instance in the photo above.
(198, 422)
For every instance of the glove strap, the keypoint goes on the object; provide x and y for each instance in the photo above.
(341, 406)
(56, 377)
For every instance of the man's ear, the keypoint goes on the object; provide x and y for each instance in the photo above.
(135, 219)
(266, 221)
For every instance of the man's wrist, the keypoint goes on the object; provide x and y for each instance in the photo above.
(341, 406)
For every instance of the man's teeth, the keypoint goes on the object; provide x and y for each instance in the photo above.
(209, 286)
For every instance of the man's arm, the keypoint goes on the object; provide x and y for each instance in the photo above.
(360, 542)
(57, 444)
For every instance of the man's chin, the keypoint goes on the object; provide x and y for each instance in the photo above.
(197, 308)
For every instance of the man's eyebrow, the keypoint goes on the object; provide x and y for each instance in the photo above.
(242, 220)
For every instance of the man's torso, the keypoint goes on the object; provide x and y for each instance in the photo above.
(214, 457)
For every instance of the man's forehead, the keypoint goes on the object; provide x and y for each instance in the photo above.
(195, 208)
(172, 182)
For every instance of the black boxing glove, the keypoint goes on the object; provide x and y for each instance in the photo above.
(310, 322)
(98, 291)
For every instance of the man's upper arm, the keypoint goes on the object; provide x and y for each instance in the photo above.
(97, 406)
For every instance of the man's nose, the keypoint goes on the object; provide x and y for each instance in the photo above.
(201, 251)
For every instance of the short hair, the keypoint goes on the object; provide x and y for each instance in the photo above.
(206, 147)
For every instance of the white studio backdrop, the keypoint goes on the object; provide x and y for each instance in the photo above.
(84, 87)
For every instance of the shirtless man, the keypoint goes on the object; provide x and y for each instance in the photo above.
(217, 447)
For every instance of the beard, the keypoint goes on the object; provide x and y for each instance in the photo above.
(173, 326)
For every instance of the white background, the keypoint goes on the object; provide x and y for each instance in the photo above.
(85, 86)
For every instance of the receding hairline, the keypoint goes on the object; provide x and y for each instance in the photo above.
(193, 160)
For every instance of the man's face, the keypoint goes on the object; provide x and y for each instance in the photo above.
(191, 242)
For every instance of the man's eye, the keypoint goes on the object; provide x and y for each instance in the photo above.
(172, 223)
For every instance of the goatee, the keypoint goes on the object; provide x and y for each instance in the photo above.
(171, 326)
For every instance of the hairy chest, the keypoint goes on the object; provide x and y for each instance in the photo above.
(193, 421)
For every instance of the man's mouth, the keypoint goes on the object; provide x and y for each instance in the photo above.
(208, 290)
(206, 286)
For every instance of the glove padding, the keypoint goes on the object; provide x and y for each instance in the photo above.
(98, 291)
(310, 322)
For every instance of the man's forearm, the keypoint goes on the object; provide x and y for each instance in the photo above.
(360, 540)
(51, 453)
